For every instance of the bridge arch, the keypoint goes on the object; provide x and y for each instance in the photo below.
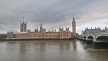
(90, 37)
(102, 38)
(85, 37)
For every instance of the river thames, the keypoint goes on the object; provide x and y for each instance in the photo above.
(50, 50)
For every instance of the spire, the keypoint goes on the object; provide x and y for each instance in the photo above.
(74, 28)
(73, 22)
(23, 19)
(73, 19)
(35, 30)
(41, 28)
(41, 24)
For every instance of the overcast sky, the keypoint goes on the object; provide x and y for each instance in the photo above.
(53, 14)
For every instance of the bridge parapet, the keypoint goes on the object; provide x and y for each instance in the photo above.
(95, 36)
(102, 34)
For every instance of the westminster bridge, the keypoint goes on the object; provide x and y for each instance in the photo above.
(96, 39)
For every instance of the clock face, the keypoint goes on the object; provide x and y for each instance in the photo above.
(73, 23)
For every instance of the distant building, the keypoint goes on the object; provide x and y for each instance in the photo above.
(94, 30)
(3, 36)
(42, 33)
(106, 29)
(11, 34)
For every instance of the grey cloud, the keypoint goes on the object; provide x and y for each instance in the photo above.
(56, 12)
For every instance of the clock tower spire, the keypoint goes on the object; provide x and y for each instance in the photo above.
(74, 27)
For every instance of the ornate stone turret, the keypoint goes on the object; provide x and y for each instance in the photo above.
(67, 29)
(23, 26)
(41, 28)
(36, 30)
(60, 29)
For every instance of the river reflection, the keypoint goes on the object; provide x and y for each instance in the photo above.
(50, 50)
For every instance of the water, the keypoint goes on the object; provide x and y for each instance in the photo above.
(50, 50)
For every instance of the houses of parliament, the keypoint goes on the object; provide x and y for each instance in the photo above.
(42, 33)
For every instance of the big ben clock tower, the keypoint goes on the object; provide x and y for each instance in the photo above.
(74, 28)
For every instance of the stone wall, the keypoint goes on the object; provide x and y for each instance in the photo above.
(45, 35)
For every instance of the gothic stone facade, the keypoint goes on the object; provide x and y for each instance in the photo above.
(26, 34)
(63, 34)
